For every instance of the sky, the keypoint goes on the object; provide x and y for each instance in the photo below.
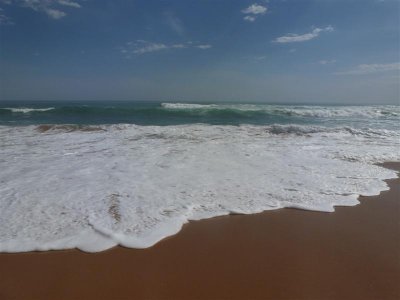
(276, 51)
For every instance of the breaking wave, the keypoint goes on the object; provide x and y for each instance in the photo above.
(306, 111)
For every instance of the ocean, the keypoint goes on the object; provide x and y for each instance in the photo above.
(92, 175)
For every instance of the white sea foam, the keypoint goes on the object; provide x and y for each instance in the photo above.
(134, 185)
(26, 110)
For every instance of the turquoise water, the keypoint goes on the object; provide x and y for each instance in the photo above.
(156, 113)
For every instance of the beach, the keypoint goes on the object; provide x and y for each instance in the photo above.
(353, 253)
(146, 154)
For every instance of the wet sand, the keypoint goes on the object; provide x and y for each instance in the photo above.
(353, 253)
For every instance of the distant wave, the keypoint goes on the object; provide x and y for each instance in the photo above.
(187, 106)
(26, 110)
(301, 111)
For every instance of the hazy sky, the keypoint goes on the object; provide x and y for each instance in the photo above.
(325, 51)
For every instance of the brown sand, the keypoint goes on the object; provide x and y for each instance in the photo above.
(353, 253)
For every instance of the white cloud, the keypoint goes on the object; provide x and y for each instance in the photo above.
(249, 18)
(253, 11)
(204, 47)
(293, 38)
(327, 62)
(371, 68)
(53, 8)
(69, 3)
(139, 47)
(149, 47)
(178, 46)
(54, 13)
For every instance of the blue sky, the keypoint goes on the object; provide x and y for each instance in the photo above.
(301, 51)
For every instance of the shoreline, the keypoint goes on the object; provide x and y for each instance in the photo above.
(353, 253)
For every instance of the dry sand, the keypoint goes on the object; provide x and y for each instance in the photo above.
(353, 253)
